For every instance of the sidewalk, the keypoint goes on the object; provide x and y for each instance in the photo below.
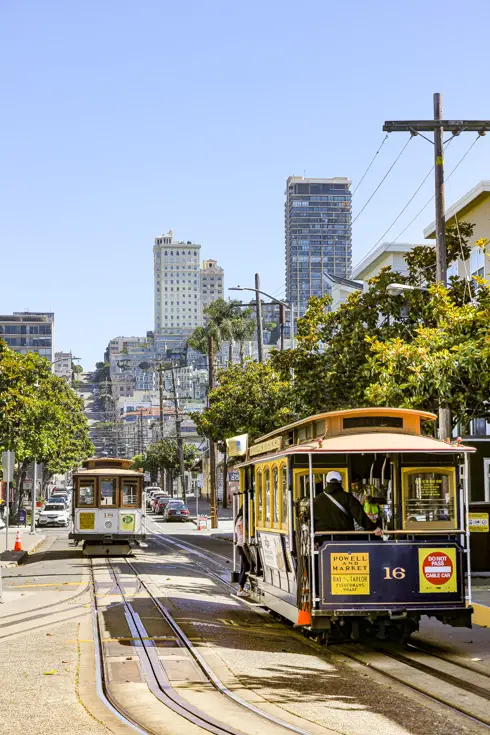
(225, 518)
(30, 543)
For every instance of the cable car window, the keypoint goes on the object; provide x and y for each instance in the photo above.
(130, 494)
(284, 492)
(275, 495)
(268, 495)
(86, 493)
(108, 491)
(360, 422)
(429, 498)
(258, 494)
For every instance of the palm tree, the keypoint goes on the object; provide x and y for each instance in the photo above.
(243, 329)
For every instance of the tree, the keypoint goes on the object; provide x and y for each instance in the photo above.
(41, 417)
(330, 362)
(163, 455)
(443, 365)
(251, 398)
(243, 329)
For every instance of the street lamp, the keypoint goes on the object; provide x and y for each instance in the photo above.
(394, 289)
(283, 304)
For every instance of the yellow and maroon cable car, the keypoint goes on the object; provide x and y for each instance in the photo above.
(108, 506)
(339, 583)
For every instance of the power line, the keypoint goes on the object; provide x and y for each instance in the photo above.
(383, 179)
(370, 164)
(411, 198)
(432, 197)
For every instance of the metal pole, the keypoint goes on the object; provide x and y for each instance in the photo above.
(178, 423)
(292, 327)
(33, 505)
(7, 502)
(212, 448)
(260, 348)
(467, 525)
(160, 390)
(312, 521)
(282, 321)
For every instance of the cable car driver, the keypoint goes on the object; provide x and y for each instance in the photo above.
(336, 510)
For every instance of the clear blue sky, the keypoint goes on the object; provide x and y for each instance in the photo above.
(121, 120)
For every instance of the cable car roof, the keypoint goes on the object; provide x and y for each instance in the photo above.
(349, 412)
(378, 442)
(107, 472)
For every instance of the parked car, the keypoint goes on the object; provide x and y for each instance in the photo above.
(162, 503)
(54, 514)
(155, 500)
(58, 499)
(176, 510)
(150, 495)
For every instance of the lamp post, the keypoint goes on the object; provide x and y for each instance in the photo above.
(283, 306)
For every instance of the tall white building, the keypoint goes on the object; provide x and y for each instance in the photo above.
(212, 282)
(177, 288)
(63, 365)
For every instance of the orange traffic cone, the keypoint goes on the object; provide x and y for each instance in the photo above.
(18, 542)
(304, 617)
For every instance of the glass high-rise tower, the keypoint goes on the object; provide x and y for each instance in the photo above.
(318, 222)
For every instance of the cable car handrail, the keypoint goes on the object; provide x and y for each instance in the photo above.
(387, 532)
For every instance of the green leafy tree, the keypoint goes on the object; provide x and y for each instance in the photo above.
(447, 364)
(251, 398)
(41, 417)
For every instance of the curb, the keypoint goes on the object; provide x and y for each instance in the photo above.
(10, 559)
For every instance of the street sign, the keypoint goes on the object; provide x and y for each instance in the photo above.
(8, 462)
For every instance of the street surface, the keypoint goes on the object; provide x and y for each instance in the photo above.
(47, 649)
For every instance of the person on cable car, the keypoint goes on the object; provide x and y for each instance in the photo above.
(336, 510)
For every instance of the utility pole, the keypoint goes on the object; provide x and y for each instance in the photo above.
(260, 342)
(282, 323)
(178, 425)
(212, 446)
(160, 392)
(437, 126)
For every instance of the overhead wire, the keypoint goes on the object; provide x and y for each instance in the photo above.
(382, 180)
(432, 197)
(370, 164)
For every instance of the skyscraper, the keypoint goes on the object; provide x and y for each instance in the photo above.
(176, 287)
(212, 282)
(26, 331)
(318, 221)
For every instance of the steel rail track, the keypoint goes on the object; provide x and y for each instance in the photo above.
(156, 679)
(442, 676)
(205, 668)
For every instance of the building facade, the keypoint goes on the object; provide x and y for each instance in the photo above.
(318, 231)
(177, 288)
(212, 282)
(29, 332)
(63, 365)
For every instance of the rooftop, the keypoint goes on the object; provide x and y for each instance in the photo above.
(471, 199)
(348, 282)
(378, 251)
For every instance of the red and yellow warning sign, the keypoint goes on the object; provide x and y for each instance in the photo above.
(437, 570)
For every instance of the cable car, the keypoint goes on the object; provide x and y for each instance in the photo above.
(108, 507)
(342, 584)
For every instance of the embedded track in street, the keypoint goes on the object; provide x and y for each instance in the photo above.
(154, 673)
(459, 687)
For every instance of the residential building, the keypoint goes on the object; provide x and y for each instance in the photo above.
(341, 288)
(318, 223)
(63, 365)
(177, 288)
(473, 207)
(25, 331)
(212, 282)
(387, 254)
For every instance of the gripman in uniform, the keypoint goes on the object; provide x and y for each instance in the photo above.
(336, 510)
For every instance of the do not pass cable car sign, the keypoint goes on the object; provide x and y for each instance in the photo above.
(437, 570)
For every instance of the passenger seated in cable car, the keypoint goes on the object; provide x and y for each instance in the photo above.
(336, 510)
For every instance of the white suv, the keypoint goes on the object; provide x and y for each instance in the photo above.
(54, 514)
